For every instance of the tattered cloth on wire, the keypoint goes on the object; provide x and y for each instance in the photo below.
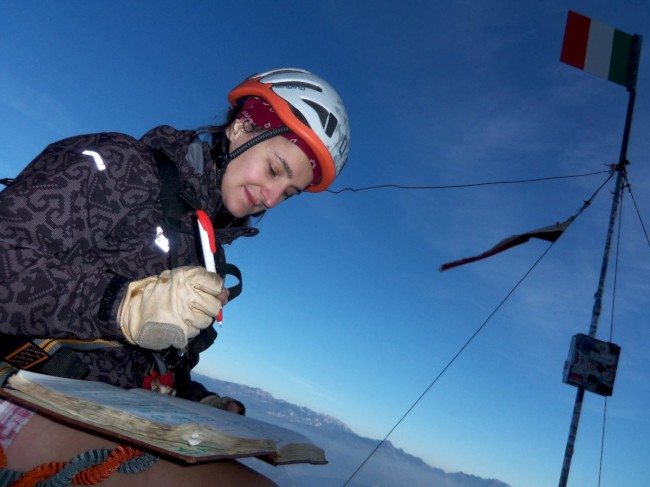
(550, 233)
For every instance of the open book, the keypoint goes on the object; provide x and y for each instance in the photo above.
(168, 425)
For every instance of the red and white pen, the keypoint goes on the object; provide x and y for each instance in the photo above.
(209, 248)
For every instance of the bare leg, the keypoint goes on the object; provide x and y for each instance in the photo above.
(42, 440)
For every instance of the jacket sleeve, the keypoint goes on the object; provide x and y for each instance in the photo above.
(195, 391)
(59, 243)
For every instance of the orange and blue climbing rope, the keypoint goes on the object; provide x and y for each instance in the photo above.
(88, 468)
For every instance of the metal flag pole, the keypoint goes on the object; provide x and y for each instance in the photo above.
(595, 316)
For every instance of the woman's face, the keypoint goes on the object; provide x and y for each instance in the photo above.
(264, 175)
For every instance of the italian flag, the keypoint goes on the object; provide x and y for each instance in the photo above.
(597, 48)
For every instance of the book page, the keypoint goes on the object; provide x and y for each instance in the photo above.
(165, 420)
(200, 413)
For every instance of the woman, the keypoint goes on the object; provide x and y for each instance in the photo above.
(99, 249)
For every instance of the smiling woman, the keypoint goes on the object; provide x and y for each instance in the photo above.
(84, 269)
(268, 172)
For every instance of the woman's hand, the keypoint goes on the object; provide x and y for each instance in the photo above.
(167, 310)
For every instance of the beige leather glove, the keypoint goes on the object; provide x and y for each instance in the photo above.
(167, 310)
(224, 402)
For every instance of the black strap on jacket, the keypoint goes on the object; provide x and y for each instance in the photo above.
(176, 201)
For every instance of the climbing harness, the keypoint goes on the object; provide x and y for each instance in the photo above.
(52, 356)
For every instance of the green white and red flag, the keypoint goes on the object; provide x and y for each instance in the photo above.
(599, 49)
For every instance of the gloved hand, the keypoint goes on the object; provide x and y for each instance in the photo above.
(167, 310)
(224, 402)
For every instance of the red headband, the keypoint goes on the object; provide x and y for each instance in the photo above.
(261, 114)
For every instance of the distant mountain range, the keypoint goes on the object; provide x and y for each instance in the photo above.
(345, 451)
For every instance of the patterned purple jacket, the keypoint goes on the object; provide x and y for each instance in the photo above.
(80, 214)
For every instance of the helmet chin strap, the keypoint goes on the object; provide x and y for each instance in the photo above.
(226, 157)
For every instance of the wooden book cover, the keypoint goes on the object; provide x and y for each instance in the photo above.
(169, 425)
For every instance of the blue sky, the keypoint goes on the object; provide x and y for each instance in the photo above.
(344, 310)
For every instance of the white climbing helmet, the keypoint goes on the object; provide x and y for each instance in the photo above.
(311, 108)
